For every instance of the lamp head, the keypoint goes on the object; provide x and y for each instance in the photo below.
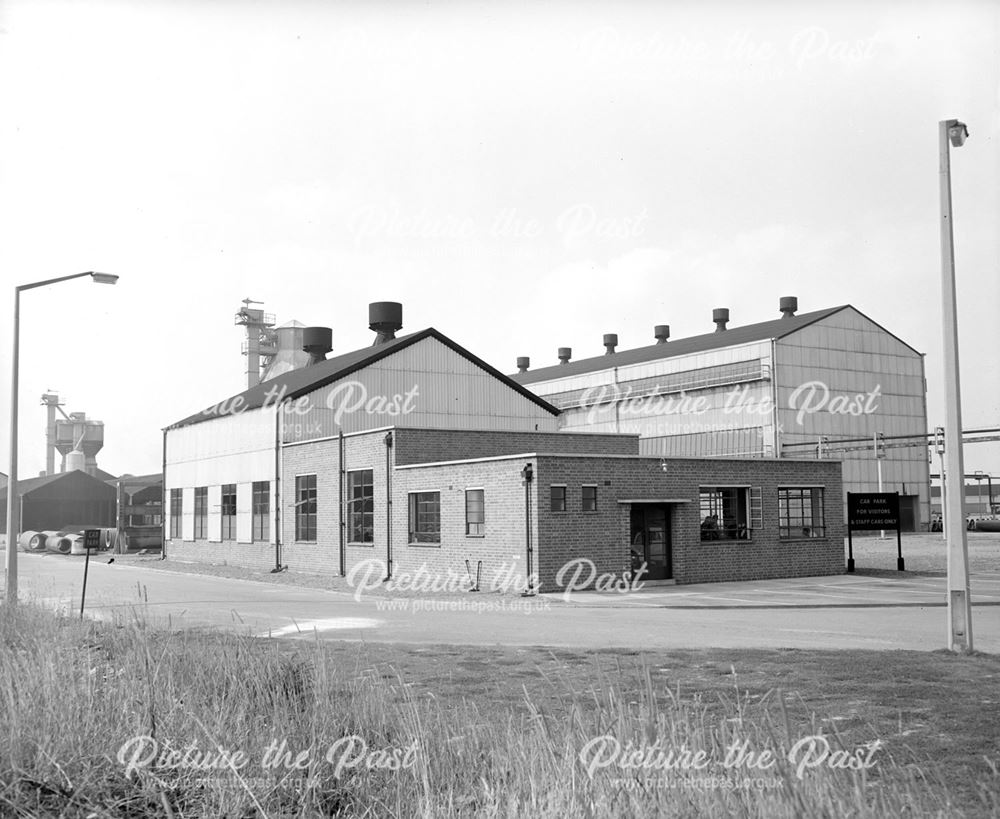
(958, 132)
(104, 278)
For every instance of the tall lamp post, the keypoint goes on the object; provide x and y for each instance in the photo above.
(13, 506)
(952, 132)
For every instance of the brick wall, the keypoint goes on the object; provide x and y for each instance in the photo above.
(431, 445)
(604, 535)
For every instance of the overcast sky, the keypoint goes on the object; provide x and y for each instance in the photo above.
(521, 177)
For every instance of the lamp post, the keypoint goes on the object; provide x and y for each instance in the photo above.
(951, 132)
(13, 507)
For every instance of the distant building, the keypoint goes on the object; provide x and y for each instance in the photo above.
(64, 500)
(818, 384)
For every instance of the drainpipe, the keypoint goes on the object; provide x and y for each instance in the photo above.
(775, 415)
(388, 506)
(528, 474)
(164, 508)
(340, 503)
(278, 413)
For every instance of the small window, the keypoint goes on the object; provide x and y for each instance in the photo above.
(425, 517)
(475, 512)
(176, 509)
(200, 511)
(305, 508)
(261, 510)
(801, 512)
(725, 512)
(589, 498)
(360, 506)
(557, 495)
(229, 511)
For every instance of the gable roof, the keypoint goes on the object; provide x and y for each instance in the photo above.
(28, 485)
(296, 383)
(762, 331)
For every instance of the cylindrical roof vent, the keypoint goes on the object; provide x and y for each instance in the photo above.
(317, 341)
(523, 362)
(565, 354)
(661, 332)
(610, 342)
(720, 315)
(385, 318)
(788, 305)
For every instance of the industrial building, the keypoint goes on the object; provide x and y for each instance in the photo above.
(416, 453)
(828, 383)
(62, 501)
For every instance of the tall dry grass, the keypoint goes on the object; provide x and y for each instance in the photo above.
(73, 693)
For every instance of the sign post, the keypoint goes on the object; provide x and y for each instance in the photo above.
(91, 540)
(873, 511)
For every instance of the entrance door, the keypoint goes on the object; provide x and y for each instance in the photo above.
(651, 541)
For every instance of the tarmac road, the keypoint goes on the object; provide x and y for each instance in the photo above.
(844, 611)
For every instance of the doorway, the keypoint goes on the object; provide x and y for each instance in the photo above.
(650, 539)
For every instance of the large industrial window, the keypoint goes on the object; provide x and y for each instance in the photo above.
(176, 508)
(229, 511)
(360, 506)
(475, 512)
(305, 507)
(589, 498)
(261, 510)
(425, 517)
(200, 511)
(729, 512)
(557, 498)
(801, 512)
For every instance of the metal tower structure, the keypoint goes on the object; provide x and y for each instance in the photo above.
(261, 342)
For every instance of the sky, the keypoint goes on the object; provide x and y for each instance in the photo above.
(520, 176)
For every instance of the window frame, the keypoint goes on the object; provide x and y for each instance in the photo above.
(227, 530)
(784, 513)
(306, 508)
(260, 511)
(747, 502)
(583, 498)
(552, 498)
(200, 512)
(481, 523)
(413, 511)
(176, 514)
(366, 500)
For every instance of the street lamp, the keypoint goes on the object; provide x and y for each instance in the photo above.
(953, 132)
(13, 507)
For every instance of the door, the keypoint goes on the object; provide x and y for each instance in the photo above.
(651, 541)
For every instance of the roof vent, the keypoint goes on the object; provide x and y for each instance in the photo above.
(720, 315)
(661, 332)
(317, 341)
(385, 318)
(610, 342)
(565, 354)
(523, 362)
(788, 305)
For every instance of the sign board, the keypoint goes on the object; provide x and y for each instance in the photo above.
(872, 510)
(91, 538)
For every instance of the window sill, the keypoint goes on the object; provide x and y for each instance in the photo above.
(361, 545)
(426, 545)
(476, 536)
(801, 539)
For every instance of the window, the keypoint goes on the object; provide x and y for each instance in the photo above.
(200, 511)
(589, 502)
(305, 507)
(360, 507)
(475, 512)
(801, 512)
(261, 510)
(557, 498)
(176, 507)
(729, 512)
(425, 517)
(229, 511)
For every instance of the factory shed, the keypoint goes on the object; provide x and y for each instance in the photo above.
(54, 502)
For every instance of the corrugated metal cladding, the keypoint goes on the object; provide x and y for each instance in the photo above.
(424, 385)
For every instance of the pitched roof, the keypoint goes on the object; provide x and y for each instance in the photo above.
(764, 330)
(297, 383)
(29, 485)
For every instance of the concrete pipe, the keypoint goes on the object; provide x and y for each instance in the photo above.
(57, 543)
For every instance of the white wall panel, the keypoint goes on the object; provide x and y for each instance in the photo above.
(187, 513)
(215, 513)
(244, 506)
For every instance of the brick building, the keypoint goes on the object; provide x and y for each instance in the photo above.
(414, 455)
